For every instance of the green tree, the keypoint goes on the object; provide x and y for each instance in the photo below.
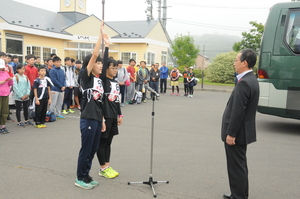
(250, 39)
(185, 50)
(221, 70)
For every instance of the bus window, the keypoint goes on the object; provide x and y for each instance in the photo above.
(293, 31)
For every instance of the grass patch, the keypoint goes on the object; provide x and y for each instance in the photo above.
(213, 83)
(206, 82)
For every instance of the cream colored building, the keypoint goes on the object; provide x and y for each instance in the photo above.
(201, 61)
(71, 32)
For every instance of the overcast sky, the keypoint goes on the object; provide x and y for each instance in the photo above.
(196, 17)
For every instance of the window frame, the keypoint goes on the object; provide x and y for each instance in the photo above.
(150, 60)
(130, 57)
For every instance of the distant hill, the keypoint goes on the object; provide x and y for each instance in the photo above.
(215, 44)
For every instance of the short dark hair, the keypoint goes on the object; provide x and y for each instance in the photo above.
(42, 67)
(112, 62)
(19, 66)
(30, 56)
(14, 57)
(249, 56)
(144, 62)
(67, 59)
(9, 55)
(78, 62)
(2, 54)
(119, 62)
(49, 59)
(88, 58)
(72, 60)
(53, 54)
(55, 59)
(132, 60)
(37, 57)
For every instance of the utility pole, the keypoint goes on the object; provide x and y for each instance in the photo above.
(159, 10)
(148, 11)
(164, 19)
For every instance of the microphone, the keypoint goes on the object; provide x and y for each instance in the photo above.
(151, 90)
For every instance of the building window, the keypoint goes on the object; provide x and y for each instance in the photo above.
(14, 46)
(79, 50)
(150, 58)
(46, 53)
(36, 51)
(42, 52)
(164, 57)
(53, 50)
(126, 56)
(293, 31)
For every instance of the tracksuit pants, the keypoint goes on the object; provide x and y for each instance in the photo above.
(67, 98)
(57, 100)
(40, 111)
(90, 137)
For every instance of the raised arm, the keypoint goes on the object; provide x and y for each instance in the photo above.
(105, 56)
(96, 51)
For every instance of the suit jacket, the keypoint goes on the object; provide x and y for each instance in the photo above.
(239, 115)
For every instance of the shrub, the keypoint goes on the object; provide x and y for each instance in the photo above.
(221, 70)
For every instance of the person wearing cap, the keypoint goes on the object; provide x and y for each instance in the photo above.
(5, 83)
(190, 80)
(174, 76)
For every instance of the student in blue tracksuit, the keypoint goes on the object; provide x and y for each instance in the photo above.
(164, 71)
(57, 76)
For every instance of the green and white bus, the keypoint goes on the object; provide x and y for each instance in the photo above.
(279, 62)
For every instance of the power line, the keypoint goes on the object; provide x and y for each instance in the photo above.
(208, 25)
(221, 7)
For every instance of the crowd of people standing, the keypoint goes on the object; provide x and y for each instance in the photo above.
(97, 86)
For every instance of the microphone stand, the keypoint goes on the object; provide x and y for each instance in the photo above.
(150, 182)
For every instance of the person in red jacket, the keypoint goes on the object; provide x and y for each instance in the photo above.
(31, 72)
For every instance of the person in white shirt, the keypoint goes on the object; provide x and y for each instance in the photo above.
(70, 84)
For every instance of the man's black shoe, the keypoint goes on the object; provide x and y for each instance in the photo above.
(227, 196)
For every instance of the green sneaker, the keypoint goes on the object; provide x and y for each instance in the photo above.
(82, 184)
(64, 112)
(71, 111)
(113, 171)
(107, 174)
(93, 182)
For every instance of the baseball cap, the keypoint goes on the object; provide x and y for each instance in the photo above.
(2, 63)
(191, 67)
(175, 66)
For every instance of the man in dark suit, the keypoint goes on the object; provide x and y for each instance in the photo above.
(238, 124)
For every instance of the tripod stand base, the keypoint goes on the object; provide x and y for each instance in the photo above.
(151, 183)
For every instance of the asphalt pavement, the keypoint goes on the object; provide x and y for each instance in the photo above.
(188, 152)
